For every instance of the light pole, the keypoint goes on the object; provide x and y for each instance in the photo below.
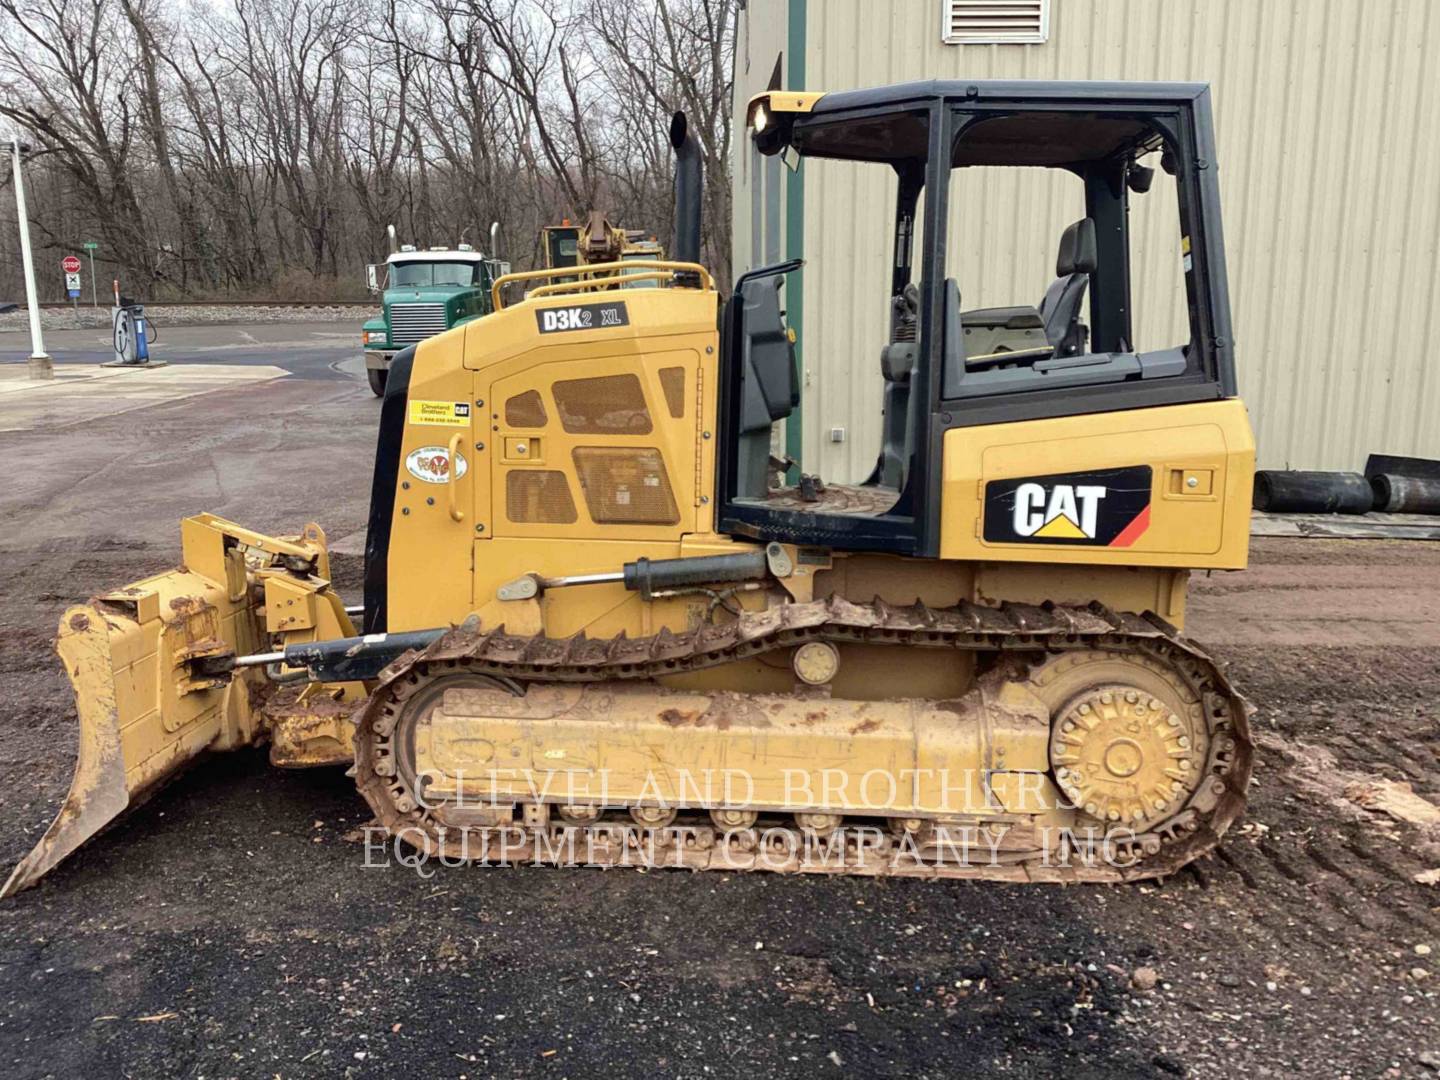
(40, 365)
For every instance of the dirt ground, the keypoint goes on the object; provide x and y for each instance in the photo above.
(228, 928)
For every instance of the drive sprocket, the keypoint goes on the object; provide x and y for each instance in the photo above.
(1123, 755)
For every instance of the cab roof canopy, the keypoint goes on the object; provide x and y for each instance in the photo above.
(447, 255)
(889, 124)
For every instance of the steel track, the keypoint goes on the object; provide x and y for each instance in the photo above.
(1046, 630)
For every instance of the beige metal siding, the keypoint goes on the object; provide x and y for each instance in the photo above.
(1327, 115)
(760, 39)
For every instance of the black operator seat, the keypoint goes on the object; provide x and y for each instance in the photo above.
(1060, 310)
(897, 364)
(769, 379)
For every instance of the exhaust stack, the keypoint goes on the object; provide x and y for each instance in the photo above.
(689, 190)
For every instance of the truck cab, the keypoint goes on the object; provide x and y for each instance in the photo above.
(424, 293)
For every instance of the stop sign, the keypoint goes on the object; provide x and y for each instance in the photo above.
(70, 264)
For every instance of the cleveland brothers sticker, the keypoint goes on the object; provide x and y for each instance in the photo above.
(440, 413)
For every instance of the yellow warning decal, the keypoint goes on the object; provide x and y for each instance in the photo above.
(1184, 245)
(440, 413)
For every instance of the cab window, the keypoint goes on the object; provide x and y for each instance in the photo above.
(419, 275)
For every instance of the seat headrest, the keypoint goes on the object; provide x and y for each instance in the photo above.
(1077, 249)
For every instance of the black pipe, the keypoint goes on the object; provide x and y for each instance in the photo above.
(351, 659)
(338, 660)
(646, 576)
(689, 191)
(1406, 494)
(1293, 492)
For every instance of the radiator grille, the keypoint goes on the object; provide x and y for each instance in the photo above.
(410, 323)
(525, 410)
(539, 496)
(672, 381)
(625, 485)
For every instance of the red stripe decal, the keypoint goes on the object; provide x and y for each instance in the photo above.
(1132, 532)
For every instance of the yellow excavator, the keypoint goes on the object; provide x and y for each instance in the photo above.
(603, 619)
(596, 242)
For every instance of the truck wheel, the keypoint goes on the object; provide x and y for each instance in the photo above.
(377, 380)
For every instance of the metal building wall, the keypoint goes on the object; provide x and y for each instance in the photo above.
(1327, 116)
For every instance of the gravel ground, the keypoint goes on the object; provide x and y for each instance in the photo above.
(229, 927)
(163, 315)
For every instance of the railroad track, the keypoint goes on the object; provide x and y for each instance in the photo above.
(63, 304)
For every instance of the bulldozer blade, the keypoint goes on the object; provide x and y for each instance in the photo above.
(97, 791)
(144, 709)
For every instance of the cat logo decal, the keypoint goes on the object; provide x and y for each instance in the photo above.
(1101, 507)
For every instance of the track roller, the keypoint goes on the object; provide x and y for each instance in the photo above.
(652, 817)
(821, 824)
(734, 820)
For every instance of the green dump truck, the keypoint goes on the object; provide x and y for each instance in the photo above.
(424, 293)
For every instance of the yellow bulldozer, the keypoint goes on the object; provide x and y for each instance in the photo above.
(603, 617)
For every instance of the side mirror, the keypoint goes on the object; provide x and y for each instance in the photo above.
(1139, 178)
(372, 277)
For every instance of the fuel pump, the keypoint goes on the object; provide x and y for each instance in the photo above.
(129, 333)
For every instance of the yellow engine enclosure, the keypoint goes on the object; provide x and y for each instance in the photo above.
(1202, 462)
(496, 390)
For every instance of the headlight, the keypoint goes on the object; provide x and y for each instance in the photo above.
(761, 119)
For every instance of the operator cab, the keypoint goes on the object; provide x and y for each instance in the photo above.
(560, 245)
(1068, 347)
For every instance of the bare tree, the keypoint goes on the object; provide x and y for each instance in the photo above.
(67, 78)
(666, 55)
(247, 146)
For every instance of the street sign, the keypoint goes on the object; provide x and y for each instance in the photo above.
(72, 282)
(70, 264)
(90, 248)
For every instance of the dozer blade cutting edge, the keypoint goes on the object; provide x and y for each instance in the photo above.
(144, 711)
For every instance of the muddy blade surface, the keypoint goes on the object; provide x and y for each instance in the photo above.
(142, 715)
(98, 793)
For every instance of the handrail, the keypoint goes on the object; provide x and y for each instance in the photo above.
(706, 281)
(452, 474)
(558, 287)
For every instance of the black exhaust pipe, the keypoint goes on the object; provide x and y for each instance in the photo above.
(689, 190)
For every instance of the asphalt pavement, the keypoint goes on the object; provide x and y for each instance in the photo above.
(307, 350)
